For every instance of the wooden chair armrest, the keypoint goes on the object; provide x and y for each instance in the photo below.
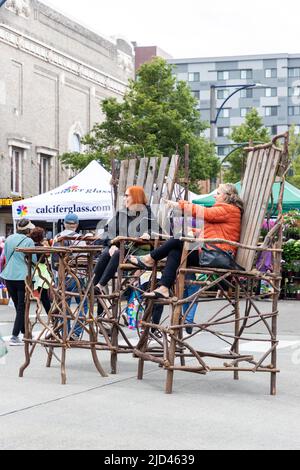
(231, 243)
(221, 240)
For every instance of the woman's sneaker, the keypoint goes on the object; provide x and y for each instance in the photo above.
(16, 341)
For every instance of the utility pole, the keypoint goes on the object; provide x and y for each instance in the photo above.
(186, 171)
(212, 113)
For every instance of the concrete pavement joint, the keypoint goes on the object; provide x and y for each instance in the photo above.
(73, 395)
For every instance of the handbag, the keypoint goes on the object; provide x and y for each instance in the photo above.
(215, 257)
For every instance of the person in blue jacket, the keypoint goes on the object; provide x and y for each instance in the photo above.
(15, 273)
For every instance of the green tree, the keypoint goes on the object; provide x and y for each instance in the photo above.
(157, 117)
(294, 147)
(251, 130)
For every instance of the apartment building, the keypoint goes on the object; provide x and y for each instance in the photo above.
(275, 94)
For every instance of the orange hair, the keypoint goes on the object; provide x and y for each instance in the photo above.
(138, 195)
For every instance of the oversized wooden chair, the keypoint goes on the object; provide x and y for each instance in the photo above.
(54, 332)
(233, 323)
(158, 177)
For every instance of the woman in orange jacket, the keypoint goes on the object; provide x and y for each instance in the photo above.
(223, 220)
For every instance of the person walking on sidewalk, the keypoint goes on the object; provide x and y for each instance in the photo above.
(43, 279)
(15, 273)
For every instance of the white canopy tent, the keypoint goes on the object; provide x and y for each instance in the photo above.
(88, 194)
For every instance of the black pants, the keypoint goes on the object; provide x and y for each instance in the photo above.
(44, 296)
(172, 250)
(16, 290)
(106, 267)
(157, 309)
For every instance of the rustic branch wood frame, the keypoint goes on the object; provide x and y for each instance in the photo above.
(231, 324)
(158, 177)
(264, 164)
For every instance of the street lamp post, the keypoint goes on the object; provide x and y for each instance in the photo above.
(214, 113)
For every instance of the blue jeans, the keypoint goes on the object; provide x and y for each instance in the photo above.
(71, 286)
(190, 290)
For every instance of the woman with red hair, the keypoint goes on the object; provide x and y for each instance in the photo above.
(135, 220)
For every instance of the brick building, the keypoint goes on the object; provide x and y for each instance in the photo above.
(54, 74)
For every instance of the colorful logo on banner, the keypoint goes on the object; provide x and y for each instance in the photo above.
(22, 211)
(71, 189)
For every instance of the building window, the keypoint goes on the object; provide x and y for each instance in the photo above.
(247, 93)
(196, 94)
(222, 94)
(245, 111)
(224, 75)
(271, 73)
(270, 92)
(273, 130)
(223, 150)
(76, 143)
(224, 113)
(294, 110)
(194, 77)
(44, 176)
(294, 72)
(16, 170)
(223, 131)
(245, 74)
(271, 111)
(294, 91)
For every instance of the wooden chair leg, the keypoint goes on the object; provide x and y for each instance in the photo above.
(144, 340)
(49, 359)
(182, 358)
(237, 325)
(63, 366)
(172, 350)
(175, 320)
(116, 285)
(140, 374)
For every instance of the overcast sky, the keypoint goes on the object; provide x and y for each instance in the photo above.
(194, 28)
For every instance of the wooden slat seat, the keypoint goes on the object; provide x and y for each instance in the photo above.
(234, 321)
(262, 168)
(151, 173)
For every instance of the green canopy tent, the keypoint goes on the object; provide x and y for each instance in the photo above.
(291, 199)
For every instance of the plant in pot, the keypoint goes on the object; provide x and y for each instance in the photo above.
(291, 255)
(292, 225)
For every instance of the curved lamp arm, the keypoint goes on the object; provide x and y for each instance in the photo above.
(228, 98)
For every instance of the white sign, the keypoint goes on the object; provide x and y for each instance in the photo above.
(89, 195)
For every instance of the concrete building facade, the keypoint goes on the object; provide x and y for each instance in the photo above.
(54, 75)
(277, 101)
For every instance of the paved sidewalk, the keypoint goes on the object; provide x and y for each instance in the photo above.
(119, 412)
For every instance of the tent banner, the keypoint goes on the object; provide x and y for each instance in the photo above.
(89, 195)
(47, 211)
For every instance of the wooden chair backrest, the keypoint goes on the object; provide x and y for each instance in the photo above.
(263, 165)
(154, 174)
